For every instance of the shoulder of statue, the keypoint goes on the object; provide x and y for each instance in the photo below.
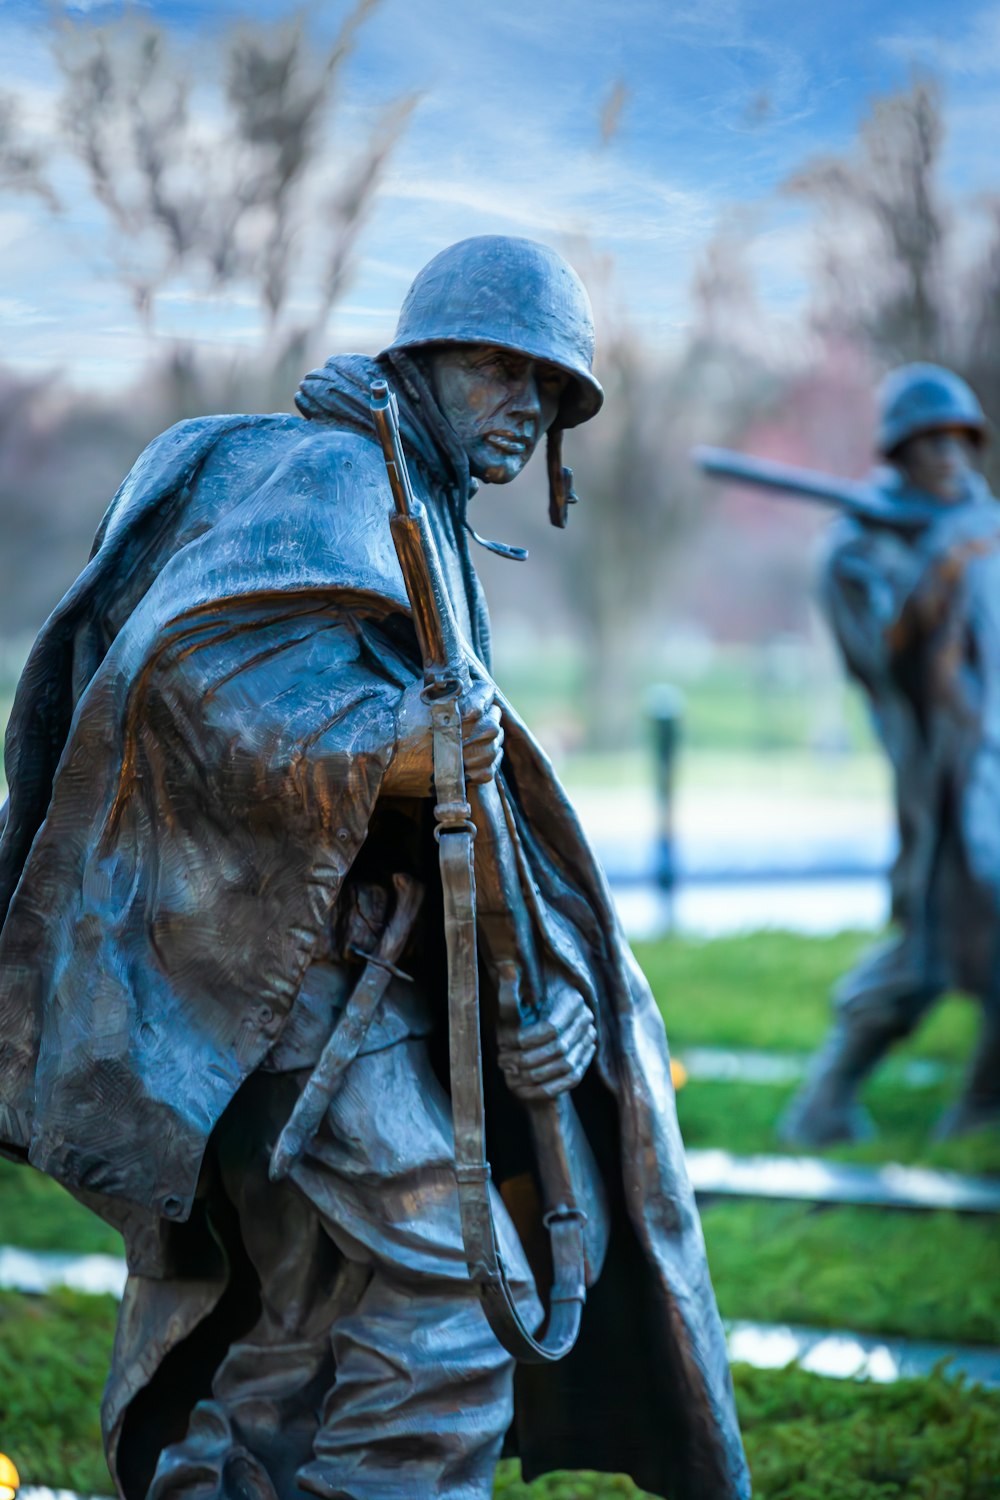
(345, 464)
(322, 450)
(176, 456)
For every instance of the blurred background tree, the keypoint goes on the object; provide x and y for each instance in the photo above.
(273, 225)
(900, 270)
(242, 190)
(892, 274)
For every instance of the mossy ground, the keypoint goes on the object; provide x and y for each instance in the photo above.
(54, 1358)
(933, 1276)
(807, 1438)
(813, 1439)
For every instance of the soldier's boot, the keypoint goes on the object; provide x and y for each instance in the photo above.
(209, 1464)
(826, 1110)
(979, 1105)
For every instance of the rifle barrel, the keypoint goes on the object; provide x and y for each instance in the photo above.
(856, 498)
(385, 415)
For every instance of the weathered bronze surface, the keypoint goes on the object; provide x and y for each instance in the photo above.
(221, 762)
(911, 587)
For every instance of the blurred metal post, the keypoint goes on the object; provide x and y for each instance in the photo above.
(665, 709)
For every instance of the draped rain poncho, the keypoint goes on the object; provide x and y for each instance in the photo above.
(194, 758)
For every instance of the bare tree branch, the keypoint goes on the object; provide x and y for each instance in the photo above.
(22, 164)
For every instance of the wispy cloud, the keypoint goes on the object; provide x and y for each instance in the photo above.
(726, 98)
(962, 47)
(15, 311)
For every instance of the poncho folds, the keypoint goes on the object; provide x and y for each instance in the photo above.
(194, 758)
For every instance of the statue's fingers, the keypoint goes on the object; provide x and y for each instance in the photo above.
(478, 702)
(561, 1044)
(548, 1072)
(569, 1004)
(483, 732)
(532, 1091)
(579, 1058)
(482, 761)
(584, 1054)
(483, 755)
(536, 1034)
(555, 1077)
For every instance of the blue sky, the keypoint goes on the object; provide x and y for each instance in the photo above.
(725, 98)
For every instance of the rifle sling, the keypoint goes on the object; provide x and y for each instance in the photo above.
(455, 833)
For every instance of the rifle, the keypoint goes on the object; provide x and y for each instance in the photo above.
(864, 501)
(483, 898)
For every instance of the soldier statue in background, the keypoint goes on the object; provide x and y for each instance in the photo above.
(910, 583)
(236, 842)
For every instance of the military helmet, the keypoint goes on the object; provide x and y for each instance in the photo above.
(515, 293)
(924, 398)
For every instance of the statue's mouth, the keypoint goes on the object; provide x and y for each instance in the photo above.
(507, 442)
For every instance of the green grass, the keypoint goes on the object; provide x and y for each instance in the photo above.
(778, 1262)
(807, 1438)
(54, 1357)
(742, 1117)
(37, 1214)
(929, 1276)
(772, 990)
(813, 1439)
(793, 773)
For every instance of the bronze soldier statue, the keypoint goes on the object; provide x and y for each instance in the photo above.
(236, 881)
(910, 583)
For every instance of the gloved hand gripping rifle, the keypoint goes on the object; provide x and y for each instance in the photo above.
(483, 900)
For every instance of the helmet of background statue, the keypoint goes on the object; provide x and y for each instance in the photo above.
(515, 293)
(924, 398)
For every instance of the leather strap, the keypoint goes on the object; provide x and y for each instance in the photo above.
(455, 832)
(350, 1031)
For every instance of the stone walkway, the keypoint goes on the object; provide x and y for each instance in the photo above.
(814, 1180)
(713, 1173)
(744, 1065)
(841, 1355)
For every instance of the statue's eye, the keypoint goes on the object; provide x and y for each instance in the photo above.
(496, 364)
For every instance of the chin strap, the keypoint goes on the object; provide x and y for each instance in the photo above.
(502, 549)
(561, 492)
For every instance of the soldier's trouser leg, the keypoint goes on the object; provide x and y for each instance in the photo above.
(423, 1391)
(878, 1005)
(979, 1105)
(271, 1382)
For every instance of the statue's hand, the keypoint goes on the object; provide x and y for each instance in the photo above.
(549, 1056)
(411, 770)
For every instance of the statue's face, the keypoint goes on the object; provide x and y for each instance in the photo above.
(939, 463)
(499, 404)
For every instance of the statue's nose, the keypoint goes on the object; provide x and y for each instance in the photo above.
(526, 400)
